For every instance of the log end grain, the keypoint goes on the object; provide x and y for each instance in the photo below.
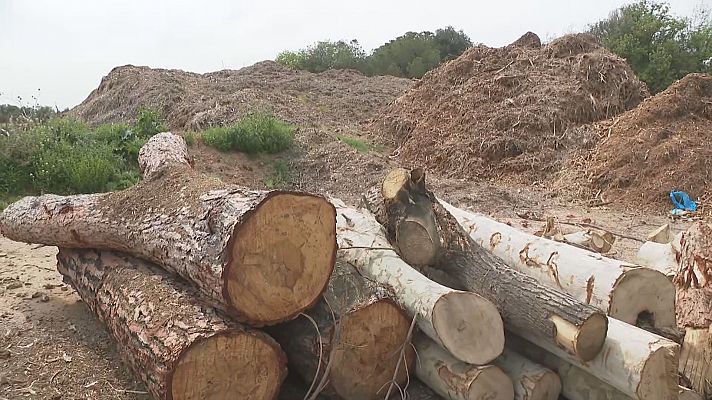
(231, 365)
(659, 376)
(368, 350)
(469, 327)
(281, 257)
(586, 340)
(643, 294)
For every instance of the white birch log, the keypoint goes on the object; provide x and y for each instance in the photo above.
(531, 381)
(625, 291)
(464, 323)
(638, 363)
(456, 380)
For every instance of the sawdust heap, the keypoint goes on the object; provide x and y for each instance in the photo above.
(194, 101)
(509, 111)
(663, 144)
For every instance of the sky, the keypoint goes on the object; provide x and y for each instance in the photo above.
(58, 50)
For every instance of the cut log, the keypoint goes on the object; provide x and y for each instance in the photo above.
(696, 359)
(464, 323)
(658, 256)
(576, 384)
(688, 394)
(627, 292)
(363, 337)
(177, 346)
(526, 306)
(660, 235)
(593, 239)
(531, 381)
(264, 255)
(417, 390)
(454, 379)
(636, 362)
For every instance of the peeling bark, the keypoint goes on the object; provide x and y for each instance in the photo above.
(531, 381)
(168, 338)
(264, 255)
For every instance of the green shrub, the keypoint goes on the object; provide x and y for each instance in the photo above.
(254, 133)
(189, 138)
(148, 123)
(357, 144)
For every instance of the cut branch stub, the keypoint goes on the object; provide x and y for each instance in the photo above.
(263, 255)
(178, 347)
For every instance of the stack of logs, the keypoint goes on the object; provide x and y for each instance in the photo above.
(211, 291)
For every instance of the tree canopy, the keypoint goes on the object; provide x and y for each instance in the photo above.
(410, 55)
(659, 47)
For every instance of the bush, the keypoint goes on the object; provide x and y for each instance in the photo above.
(254, 133)
(148, 123)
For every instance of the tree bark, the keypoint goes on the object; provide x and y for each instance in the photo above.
(531, 381)
(361, 331)
(695, 360)
(264, 255)
(464, 323)
(526, 306)
(636, 362)
(454, 379)
(626, 292)
(177, 346)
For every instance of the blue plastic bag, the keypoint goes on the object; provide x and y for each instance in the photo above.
(682, 201)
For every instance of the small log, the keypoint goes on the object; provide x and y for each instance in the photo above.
(636, 362)
(178, 347)
(658, 256)
(532, 381)
(660, 235)
(464, 323)
(576, 384)
(526, 306)
(362, 334)
(627, 292)
(454, 379)
(264, 255)
(593, 239)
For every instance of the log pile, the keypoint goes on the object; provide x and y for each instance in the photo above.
(217, 292)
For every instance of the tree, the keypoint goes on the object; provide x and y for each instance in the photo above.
(325, 55)
(658, 46)
(413, 54)
(451, 43)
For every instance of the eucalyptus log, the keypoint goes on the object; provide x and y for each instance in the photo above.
(636, 362)
(527, 307)
(693, 282)
(454, 379)
(464, 323)
(417, 390)
(658, 256)
(263, 255)
(178, 347)
(531, 381)
(595, 240)
(362, 338)
(627, 292)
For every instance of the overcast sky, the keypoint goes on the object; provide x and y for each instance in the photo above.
(64, 47)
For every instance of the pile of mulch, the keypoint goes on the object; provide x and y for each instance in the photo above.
(191, 101)
(664, 144)
(512, 111)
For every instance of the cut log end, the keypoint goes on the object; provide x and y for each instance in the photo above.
(416, 243)
(370, 354)
(655, 377)
(289, 236)
(228, 366)
(458, 317)
(495, 384)
(643, 293)
(394, 181)
(586, 340)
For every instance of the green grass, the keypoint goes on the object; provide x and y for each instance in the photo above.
(65, 156)
(358, 144)
(253, 134)
(281, 176)
(190, 138)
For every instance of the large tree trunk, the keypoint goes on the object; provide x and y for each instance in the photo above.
(636, 362)
(464, 323)
(454, 379)
(693, 282)
(532, 381)
(264, 255)
(363, 337)
(177, 346)
(626, 292)
(527, 307)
